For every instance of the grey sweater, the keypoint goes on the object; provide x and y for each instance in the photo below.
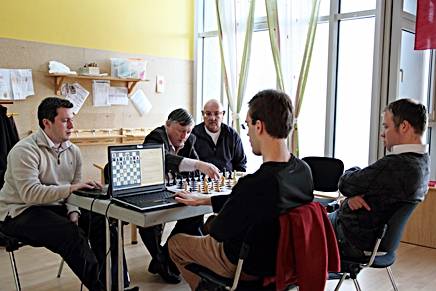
(38, 175)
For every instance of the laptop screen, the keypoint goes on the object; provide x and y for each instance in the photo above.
(136, 167)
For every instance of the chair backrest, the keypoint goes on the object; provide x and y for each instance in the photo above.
(325, 172)
(396, 224)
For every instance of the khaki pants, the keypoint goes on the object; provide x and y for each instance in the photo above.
(203, 250)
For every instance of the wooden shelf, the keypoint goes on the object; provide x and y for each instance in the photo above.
(112, 136)
(59, 79)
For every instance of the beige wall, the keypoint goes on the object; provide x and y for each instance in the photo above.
(16, 54)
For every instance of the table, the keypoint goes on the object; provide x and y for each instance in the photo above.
(144, 219)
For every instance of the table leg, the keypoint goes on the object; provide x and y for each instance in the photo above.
(108, 258)
(120, 256)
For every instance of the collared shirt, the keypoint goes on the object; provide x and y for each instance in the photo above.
(408, 148)
(187, 164)
(213, 135)
(59, 147)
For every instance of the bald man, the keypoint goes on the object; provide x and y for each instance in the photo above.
(217, 143)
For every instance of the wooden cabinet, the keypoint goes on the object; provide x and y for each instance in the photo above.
(61, 78)
(420, 228)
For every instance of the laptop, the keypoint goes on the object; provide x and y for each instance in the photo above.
(137, 177)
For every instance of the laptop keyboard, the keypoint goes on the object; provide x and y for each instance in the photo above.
(151, 199)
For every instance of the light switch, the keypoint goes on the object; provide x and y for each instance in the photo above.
(160, 84)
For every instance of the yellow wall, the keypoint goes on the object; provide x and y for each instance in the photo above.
(152, 27)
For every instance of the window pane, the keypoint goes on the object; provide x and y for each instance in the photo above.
(259, 9)
(414, 69)
(311, 122)
(324, 7)
(261, 75)
(354, 81)
(211, 69)
(410, 6)
(356, 5)
(210, 23)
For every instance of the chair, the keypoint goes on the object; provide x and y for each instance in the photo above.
(326, 172)
(306, 250)
(383, 254)
(12, 244)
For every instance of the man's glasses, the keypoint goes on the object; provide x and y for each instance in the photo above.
(209, 114)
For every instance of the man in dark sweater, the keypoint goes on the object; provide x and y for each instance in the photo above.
(377, 191)
(180, 156)
(282, 182)
(218, 143)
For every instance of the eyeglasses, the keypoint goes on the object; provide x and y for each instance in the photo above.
(209, 114)
(245, 126)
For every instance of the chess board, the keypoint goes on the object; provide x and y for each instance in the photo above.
(126, 169)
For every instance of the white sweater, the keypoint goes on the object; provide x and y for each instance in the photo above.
(38, 175)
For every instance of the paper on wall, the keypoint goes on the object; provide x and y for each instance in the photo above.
(141, 102)
(22, 84)
(118, 96)
(100, 91)
(5, 84)
(76, 94)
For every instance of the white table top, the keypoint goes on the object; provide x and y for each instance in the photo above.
(143, 219)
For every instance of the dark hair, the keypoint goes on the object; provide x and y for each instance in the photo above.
(48, 109)
(410, 110)
(181, 116)
(274, 108)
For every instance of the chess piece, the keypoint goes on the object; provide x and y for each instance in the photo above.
(205, 185)
(185, 185)
(217, 186)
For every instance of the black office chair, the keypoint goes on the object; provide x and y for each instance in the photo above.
(383, 254)
(326, 172)
(12, 244)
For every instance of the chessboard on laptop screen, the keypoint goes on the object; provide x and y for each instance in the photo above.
(136, 168)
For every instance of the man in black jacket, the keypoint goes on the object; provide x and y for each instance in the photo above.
(377, 191)
(217, 142)
(256, 200)
(180, 156)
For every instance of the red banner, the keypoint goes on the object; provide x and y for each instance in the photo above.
(426, 25)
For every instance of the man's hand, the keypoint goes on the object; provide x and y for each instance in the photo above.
(357, 202)
(192, 199)
(87, 185)
(208, 169)
(74, 217)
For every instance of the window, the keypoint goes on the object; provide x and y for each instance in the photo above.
(341, 99)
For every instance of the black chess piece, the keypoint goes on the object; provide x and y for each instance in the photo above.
(180, 184)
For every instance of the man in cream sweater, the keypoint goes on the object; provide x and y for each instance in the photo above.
(43, 169)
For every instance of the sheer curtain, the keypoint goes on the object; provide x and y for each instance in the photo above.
(235, 28)
(292, 28)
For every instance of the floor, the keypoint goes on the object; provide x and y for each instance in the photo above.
(415, 269)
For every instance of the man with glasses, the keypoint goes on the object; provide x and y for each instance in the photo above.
(257, 199)
(218, 143)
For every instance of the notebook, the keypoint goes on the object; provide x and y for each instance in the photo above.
(137, 177)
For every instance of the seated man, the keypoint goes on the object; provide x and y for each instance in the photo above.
(180, 156)
(377, 191)
(218, 143)
(43, 169)
(255, 200)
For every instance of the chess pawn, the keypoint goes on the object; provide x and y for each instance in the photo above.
(223, 181)
(217, 186)
(199, 188)
(205, 186)
(185, 186)
(234, 178)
